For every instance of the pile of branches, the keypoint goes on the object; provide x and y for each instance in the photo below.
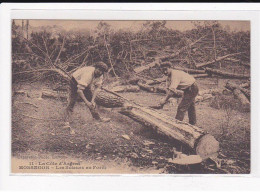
(48, 54)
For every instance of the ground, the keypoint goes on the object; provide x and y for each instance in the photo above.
(123, 145)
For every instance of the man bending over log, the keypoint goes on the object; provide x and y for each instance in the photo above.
(179, 80)
(85, 83)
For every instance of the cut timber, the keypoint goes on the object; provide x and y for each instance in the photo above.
(156, 81)
(185, 133)
(211, 71)
(217, 60)
(103, 98)
(239, 95)
(242, 98)
(201, 75)
(190, 71)
(126, 88)
(204, 144)
(232, 87)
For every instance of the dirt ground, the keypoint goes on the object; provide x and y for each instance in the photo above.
(37, 129)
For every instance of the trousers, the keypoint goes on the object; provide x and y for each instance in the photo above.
(74, 94)
(188, 104)
(73, 98)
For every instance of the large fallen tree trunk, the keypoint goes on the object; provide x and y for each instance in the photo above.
(211, 71)
(205, 145)
(232, 87)
(217, 60)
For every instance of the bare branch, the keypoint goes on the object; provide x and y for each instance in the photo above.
(58, 56)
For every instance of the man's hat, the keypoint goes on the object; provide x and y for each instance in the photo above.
(101, 65)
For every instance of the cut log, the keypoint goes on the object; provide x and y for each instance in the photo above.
(126, 88)
(205, 145)
(211, 71)
(242, 98)
(217, 60)
(232, 87)
(156, 81)
(239, 95)
(191, 71)
(145, 67)
(200, 75)
(103, 98)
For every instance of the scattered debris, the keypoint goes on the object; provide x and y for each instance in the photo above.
(147, 143)
(126, 137)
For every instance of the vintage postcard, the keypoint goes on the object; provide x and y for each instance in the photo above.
(130, 97)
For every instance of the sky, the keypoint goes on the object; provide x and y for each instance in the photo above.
(131, 25)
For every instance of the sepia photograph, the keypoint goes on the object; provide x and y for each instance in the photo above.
(130, 96)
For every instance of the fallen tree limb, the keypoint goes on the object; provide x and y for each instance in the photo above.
(211, 71)
(64, 75)
(239, 95)
(150, 65)
(217, 60)
(157, 59)
(232, 87)
(200, 75)
(242, 98)
(191, 71)
(156, 81)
